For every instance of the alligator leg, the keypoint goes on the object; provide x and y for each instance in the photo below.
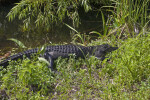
(49, 58)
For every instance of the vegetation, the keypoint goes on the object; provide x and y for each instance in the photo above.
(125, 76)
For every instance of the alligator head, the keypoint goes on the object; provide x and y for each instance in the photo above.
(101, 50)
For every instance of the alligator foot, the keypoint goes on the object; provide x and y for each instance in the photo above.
(48, 57)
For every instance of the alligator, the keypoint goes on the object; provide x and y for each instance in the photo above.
(51, 53)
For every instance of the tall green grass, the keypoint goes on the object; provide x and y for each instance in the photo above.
(125, 18)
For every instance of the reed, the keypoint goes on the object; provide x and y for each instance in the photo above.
(127, 18)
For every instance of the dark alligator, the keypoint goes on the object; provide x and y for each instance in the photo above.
(53, 52)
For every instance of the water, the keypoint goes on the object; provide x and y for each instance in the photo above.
(37, 37)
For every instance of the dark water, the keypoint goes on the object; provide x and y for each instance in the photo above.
(36, 37)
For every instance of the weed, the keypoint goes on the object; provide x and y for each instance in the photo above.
(27, 78)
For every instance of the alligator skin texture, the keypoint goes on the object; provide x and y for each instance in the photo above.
(53, 52)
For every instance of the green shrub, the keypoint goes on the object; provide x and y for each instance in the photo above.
(26, 80)
(131, 63)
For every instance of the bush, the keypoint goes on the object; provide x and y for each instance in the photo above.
(25, 80)
(131, 63)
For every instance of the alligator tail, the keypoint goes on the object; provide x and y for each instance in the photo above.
(17, 56)
(5, 62)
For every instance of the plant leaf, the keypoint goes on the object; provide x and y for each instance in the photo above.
(43, 60)
(19, 43)
(71, 28)
(95, 32)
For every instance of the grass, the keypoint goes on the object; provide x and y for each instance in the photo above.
(125, 76)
